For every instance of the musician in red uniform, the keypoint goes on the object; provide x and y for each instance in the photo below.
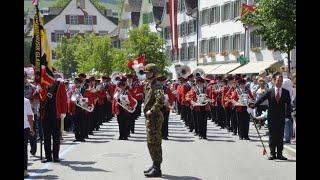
(110, 88)
(138, 95)
(102, 96)
(186, 103)
(168, 102)
(242, 113)
(179, 97)
(228, 104)
(221, 112)
(89, 116)
(200, 110)
(123, 101)
(54, 97)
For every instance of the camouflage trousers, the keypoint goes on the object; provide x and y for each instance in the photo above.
(154, 138)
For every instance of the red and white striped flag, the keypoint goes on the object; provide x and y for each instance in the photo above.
(35, 2)
(173, 10)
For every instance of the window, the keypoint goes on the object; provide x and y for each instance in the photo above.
(225, 44)
(58, 35)
(73, 33)
(166, 33)
(73, 19)
(88, 20)
(80, 4)
(184, 52)
(255, 40)
(167, 7)
(214, 45)
(205, 16)
(103, 33)
(214, 15)
(183, 29)
(236, 8)
(192, 26)
(237, 42)
(226, 12)
(204, 46)
(182, 6)
(191, 51)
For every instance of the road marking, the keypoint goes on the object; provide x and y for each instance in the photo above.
(46, 166)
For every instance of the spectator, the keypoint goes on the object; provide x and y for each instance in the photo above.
(264, 105)
(28, 131)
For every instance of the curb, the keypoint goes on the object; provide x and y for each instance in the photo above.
(289, 150)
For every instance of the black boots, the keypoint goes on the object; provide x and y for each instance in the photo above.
(155, 171)
(149, 169)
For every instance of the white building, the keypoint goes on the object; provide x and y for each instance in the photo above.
(71, 21)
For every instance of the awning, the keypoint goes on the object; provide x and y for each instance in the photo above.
(224, 68)
(254, 67)
(208, 68)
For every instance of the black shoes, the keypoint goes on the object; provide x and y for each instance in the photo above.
(56, 160)
(47, 160)
(281, 157)
(272, 157)
(155, 171)
(33, 153)
(149, 169)
(165, 138)
(247, 138)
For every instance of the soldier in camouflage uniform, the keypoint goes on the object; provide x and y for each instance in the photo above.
(153, 103)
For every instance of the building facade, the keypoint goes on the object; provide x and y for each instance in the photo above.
(78, 17)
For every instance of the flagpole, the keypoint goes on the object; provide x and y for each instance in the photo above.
(198, 32)
(39, 80)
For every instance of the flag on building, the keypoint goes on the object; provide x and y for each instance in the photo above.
(246, 9)
(40, 52)
(173, 10)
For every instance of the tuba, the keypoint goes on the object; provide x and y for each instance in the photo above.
(123, 100)
(184, 71)
(80, 101)
(115, 77)
(198, 72)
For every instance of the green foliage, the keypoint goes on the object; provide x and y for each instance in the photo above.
(99, 4)
(27, 47)
(276, 22)
(83, 54)
(120, 60)
(142, 40)
(60, 3)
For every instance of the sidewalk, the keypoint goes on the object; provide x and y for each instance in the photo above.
(288, 149)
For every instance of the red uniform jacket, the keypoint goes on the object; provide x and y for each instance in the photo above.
(171, 97)
(235, 96)
(179, 93)
(71, 104)
(193, 97)
(102, 95)
(61, 98)
(115, 106)
(139, 90)
(185, 101)
(224, 91)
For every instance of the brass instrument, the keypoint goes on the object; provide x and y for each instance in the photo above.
(80, 101)
(182, 71)
(198, 72)
(123, 100)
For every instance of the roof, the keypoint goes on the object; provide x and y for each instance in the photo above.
(255, 67)
(59, 10)
(55, 10)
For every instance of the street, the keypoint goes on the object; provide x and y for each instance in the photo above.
(221, 157)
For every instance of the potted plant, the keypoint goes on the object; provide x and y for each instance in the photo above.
(255, 49)
(235, 53)
(224, 53)
(212, 54)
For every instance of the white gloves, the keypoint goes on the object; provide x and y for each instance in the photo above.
(62, 116)
(250, 110)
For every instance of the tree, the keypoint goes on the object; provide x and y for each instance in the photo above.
(119, 60)
(276, 23)
(142, 40)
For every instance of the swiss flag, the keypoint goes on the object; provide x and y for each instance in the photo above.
(136, 62)
(247, 8)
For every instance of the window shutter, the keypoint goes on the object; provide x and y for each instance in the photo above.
(200, 18)
(186, 28)
(218, 14)
(242, 42)
(232, 7)
(53, 37)
(208, 16)
(94, 20)
(67, 19)
(221, 47)
(80, 19)
(222, 13)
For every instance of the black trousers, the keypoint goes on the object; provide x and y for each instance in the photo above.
(131, 122)
(51, 129)
(276, 133)
(202, 121)
(179, 107)
(227, 112)
(189, 118)
(79, 120)
(220, 116)
(67, 122)
(196, 121)
(123, 123)
(26, 138)
(165, 124)
(33, 139)
(234, 121)
(183, 113)
(243, 119)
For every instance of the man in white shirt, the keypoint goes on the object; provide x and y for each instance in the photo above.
(28, 130)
